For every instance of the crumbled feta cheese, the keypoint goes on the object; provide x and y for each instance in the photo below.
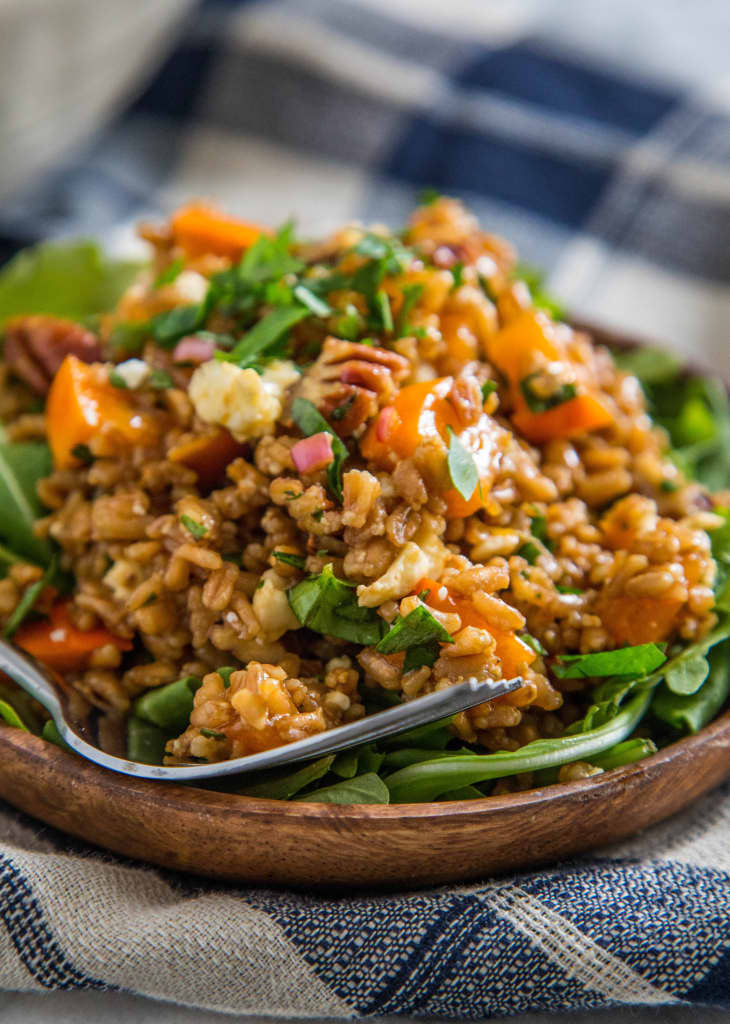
(134, 372)
(189, 287)
(271, 606)
(241, 400)
(425, 555)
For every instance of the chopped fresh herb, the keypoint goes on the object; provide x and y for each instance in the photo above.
(386, 314)
(159, 380)
(462, 467)
(529, 551)
(285, 556)
(10, 716)
(313, 302)
(418, 627)
(233, 556)
(283, 785)
(149, 600)
(116, 379)
(568, 590)
(329, 606)
(342, 410)
(350, 324)
(264, 334)
(197, 529)
(669, 486)
(83, 453)
(411, 294)
(168, 707)
(457, 272)
(129, 339)
(310, 421)
(225, 673)
(317, 515)
(169, 274)
(22, 465)
(541, 403)
(638, 660)
(538, 529)
(212, 734)
(534, 643)
(167, 328)
(488, 388)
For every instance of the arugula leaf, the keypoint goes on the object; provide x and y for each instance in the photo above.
(650, 365)
(638, 660)
(129, 339)
(169, 706)
(288, 559)
(363, 789)
(346, 764)
(533, 643)
(462, 467)
(419, 634)
(329, 606)
(692, 712)
(626, 752)
(386, 315)
(687, 676)
(283, 785)
(22, 465)
(69, 279)
(11, 717)
(428, 780)
(411, 293)
(310, 421)
(146, 742)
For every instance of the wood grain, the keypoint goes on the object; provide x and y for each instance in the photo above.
(329, 847)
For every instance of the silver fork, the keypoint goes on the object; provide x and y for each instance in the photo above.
(42, 684)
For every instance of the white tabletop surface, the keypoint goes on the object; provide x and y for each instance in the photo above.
(117, 1008)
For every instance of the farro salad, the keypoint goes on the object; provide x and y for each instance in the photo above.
(261, 486)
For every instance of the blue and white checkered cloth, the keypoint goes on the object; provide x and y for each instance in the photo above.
(595, 136)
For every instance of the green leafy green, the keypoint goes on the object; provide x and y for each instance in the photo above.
(313, 302)
(534, 279)
(22, 465)
(346, 764)
(310, 421)
(167, 328)
(283, 785)
(363, 789)
(488, 388)
(69, 279)
(329, 606)
(639, 660)
(429, 780)
(169, 706)
(692, 712)
(51, 734)
(169, 274)
(145, 741)
(462, 467)
(11, 717)
(626, 752)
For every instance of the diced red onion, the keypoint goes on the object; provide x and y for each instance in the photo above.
(312, 453)
(193, 350)
(387, 419)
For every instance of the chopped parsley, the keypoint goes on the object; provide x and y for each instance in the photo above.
(529, 551)
(197, 529)
(542, 403)
(289, 559)
(83, 453)
(488, 388)
(169, 274)
(329, 606)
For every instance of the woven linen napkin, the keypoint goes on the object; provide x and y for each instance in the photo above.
(597, 138)
(646, 923)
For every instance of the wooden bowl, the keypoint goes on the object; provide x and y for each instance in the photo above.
(325, 846)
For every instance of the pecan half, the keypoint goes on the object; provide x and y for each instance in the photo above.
(349, 382)
(35, 347)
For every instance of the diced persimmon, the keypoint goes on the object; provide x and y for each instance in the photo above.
(208, 455)
(638, 620)
(510, 649)
(512, 348)
(82, 405)
(577, 416)
(200, 229)
(61, 645)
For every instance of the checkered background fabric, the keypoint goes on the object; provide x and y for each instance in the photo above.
(595, 136)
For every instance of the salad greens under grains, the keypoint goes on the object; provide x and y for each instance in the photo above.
(341, 474)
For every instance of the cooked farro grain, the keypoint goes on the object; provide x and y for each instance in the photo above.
(423, 433)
